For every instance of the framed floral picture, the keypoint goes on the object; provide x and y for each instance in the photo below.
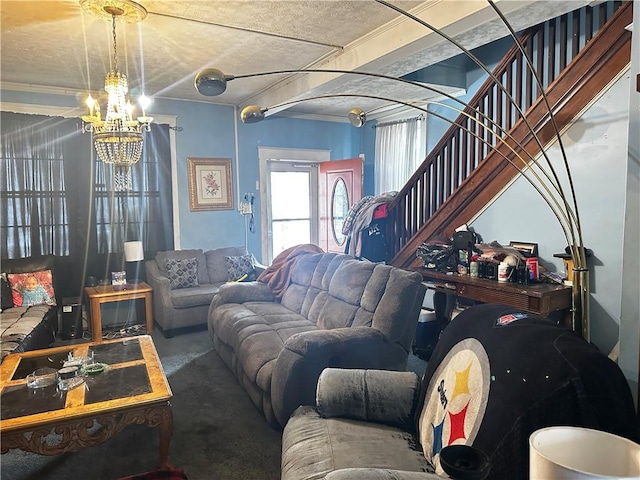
(210, 186)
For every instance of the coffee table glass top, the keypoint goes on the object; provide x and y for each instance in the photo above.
(133, 376)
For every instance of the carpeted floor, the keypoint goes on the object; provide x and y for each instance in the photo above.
(218, 433)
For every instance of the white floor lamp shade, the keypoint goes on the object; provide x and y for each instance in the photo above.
(133, 251)
(134, 255)
(577, 453)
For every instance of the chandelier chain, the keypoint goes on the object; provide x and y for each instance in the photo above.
(115, 47)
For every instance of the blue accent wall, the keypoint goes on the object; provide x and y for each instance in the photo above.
(207, 132)
(342, 139)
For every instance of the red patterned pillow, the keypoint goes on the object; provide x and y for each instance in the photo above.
(33, 288)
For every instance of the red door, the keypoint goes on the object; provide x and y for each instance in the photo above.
(340, 186)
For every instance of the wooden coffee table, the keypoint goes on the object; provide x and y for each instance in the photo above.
(132, 390)
(107, 294)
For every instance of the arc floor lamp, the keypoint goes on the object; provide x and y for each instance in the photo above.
(538, 171)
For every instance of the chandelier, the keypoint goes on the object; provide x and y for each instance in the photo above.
(118, 137)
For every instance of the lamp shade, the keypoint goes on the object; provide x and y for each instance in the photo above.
(565, 452)
(133, 251)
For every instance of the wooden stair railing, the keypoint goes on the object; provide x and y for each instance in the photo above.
(462, 174)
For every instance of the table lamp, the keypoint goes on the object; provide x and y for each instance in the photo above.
(134, 254)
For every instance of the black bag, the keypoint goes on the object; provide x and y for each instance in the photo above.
(437, 256)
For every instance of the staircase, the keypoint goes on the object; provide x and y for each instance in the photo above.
(469, 166)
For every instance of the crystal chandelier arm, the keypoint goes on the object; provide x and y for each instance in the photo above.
(117, 139)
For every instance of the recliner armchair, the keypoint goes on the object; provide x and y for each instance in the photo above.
(496, 375)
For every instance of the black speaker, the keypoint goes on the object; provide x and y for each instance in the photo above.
(491, 271)
(463, 462)
(71, 319)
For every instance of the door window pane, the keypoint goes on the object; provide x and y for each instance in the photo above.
(339, 210)
(287, 233)
(290, 195)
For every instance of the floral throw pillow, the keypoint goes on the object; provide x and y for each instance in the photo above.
(33, 288)
(237, 266)
(182, 273)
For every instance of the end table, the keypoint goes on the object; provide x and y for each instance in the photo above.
(107, 294)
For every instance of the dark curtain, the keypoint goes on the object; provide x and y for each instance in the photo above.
(142, 213)
(34, 208)
(58, 197)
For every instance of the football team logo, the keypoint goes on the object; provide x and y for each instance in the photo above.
(510, 318)
(455, 400)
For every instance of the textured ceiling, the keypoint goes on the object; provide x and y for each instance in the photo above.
(57, 44)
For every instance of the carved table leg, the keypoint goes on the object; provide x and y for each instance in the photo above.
(166, 429)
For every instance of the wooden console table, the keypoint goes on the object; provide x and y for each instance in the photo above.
(539, 298)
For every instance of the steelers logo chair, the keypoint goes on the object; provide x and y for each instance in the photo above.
(496, 375)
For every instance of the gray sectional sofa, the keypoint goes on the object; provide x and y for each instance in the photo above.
(335, 312)
(180, 308)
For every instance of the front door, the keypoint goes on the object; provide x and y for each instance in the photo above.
(340, 186)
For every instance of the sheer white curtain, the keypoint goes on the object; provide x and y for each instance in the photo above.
(400, 149)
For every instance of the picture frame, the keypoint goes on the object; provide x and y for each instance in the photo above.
(119, 278)
(210, 184)
(526, 248)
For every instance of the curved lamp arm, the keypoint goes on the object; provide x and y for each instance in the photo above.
(255, 114)
(512, 101)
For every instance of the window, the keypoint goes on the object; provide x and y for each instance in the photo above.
(288, 173)
(56, 200)
(142, 213)
(400, 148)
(292, 205)
(34, 211)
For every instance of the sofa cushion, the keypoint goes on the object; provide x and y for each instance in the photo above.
(256, 331)
(33, 288)
(313, 446)
(328, 289)
(239, 265)
(311, 276)
(217, 265)
(17, 323)
(182, 273)
(203, 276)
(194, 296)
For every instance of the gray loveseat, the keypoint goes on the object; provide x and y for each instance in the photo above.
(178, 308)
(335, 312)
